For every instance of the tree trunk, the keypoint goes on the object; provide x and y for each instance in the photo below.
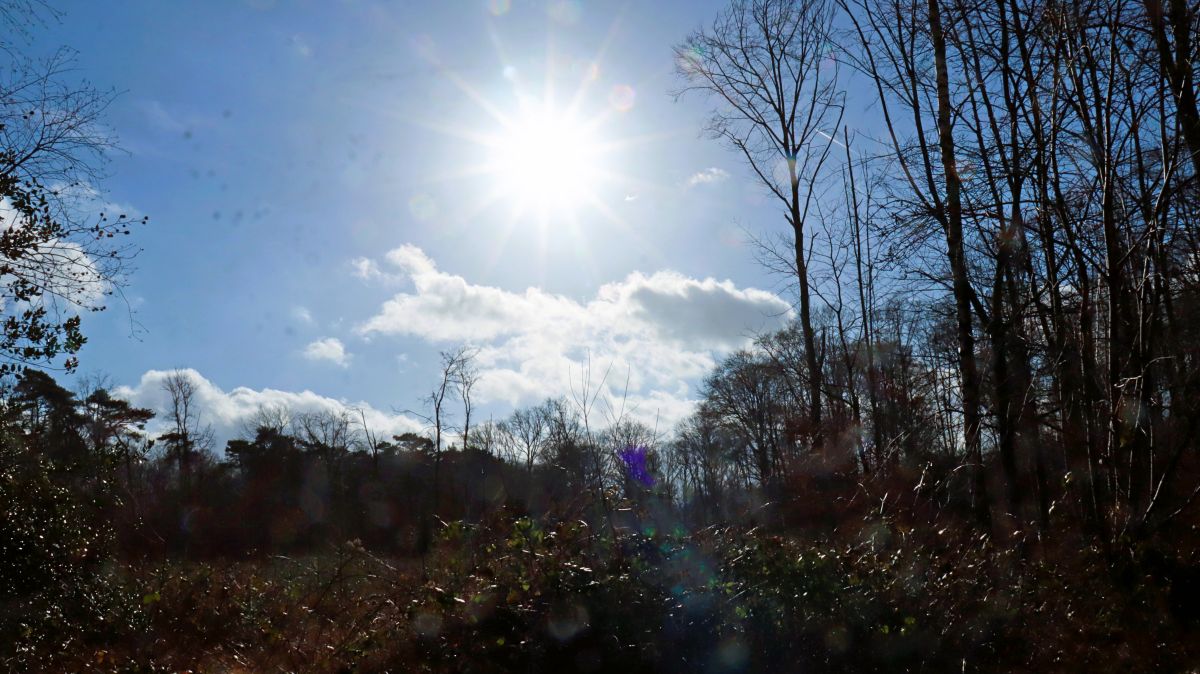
(810, 342)
(952, 221)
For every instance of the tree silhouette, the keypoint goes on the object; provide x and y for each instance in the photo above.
(767, 66)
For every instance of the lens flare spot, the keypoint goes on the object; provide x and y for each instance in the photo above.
(499, 7)
(690, 60)
(622, 97)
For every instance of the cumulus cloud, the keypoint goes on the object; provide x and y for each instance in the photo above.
(365, 269)
(370, 270)
(652, 334)
(708, 176)
(328, 349)
(228, 411)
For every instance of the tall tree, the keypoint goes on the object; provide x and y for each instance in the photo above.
(466, 376)
(436, 414)
(114, 426)
(188, 436)
(1173, 28)
(768, 66)
(525, 434)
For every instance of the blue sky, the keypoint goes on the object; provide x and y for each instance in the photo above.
(325, 216)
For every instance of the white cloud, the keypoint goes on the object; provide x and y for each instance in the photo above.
(227, 411)
(365, 269)
(303, 315)
(328, 349)
(64, 269)
(369, 270)
(660, 331)
(76, 272)
(708, 176)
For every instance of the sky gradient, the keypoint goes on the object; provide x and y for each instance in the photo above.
(326, 213)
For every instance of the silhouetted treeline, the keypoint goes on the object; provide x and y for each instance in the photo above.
(1002, 268)
(552, 544)
(295, 482)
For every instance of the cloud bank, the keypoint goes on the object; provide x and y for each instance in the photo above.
(653, 334)
(228, 411)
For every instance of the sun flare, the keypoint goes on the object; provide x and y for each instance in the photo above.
(547, 152)
(546, 159)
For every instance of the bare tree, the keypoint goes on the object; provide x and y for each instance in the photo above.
(746, 393)
(189, 437)
(768, 66)
(466, 376)
(701, 450)
(277, 418)
(488, 437)
(1173, 30)
(887, 31)
(329, 433)
(527, 430)
(372, 440)
(60, 254)
(436, 414)
(17, 17)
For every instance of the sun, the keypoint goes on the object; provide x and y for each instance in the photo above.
(546, 159)
(542, 156)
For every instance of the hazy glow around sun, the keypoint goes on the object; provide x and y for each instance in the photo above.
(545, 151)
(546, 159)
